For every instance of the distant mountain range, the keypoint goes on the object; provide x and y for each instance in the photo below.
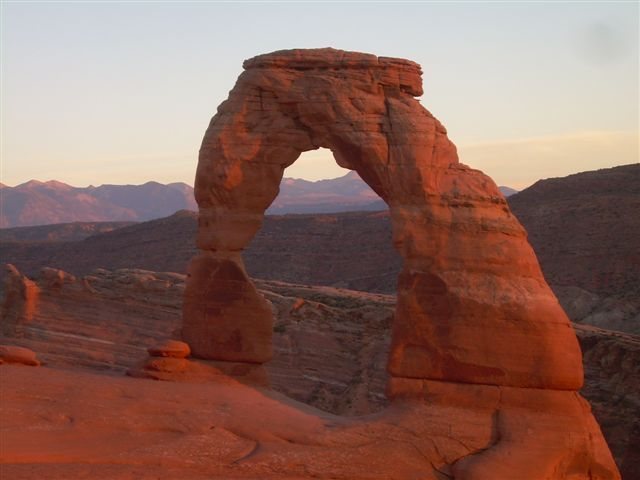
(52, 202)
(42, 203)
(343, 194)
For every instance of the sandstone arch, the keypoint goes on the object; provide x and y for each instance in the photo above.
(473, 306)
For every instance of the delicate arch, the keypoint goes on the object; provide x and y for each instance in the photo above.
(473, 306)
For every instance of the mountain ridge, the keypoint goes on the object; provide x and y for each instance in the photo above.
(52, 202)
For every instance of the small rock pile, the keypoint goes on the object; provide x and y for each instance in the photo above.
(165, 360)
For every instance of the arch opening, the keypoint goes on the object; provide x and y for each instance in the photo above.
(453, 229)
(315, 183)
(315, 165)
(330, 331)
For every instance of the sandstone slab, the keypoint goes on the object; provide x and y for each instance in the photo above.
(117, 427)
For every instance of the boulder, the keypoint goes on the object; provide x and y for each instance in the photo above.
(170, 348)
(19, 355)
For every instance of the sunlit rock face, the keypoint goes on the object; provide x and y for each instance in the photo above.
(330, 350)
(473, 305)
(476, 325)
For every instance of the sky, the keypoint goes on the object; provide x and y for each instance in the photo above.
(122, 92)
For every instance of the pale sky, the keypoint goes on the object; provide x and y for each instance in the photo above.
(122, 92)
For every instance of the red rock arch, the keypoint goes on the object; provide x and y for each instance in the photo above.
(473, 306)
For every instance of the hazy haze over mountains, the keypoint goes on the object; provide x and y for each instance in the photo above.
(52, 202)
(40, 203)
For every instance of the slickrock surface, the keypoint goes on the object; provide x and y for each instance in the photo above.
(330, 348)
(98, 426)
(473, 305)
(330, 344)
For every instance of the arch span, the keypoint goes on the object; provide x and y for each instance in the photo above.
(473, 306)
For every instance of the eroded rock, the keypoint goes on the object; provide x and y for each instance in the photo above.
(473, 305)
(473, 313)
(54, 278)
(170, 348)
(20, 300)
(18, 355)
(224, 290)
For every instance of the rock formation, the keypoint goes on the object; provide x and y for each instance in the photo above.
(484, 365)
(19, 302)
(171, 349)
(329, 352)
(475, 322)
(473, 306)
(18, 355)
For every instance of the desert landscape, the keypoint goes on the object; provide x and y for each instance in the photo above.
(417, 338)
(319, 240)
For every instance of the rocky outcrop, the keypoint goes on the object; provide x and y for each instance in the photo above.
(168, 361)
(475, 321)
(18, 355)
(330, 348)
(171, 349)
(82, 321)
(19, 301)
(473, 306)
